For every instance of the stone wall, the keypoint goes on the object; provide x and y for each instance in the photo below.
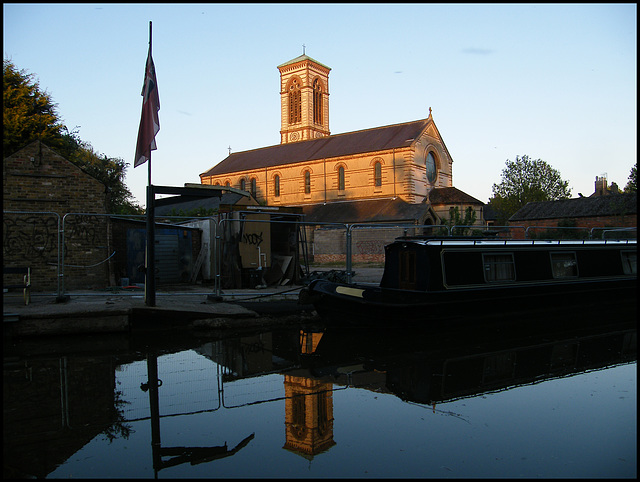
(367, 244)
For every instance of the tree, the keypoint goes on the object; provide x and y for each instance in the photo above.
(456, 219)
(30, 114)
(27, 113)
(632, 185)
(526, 180)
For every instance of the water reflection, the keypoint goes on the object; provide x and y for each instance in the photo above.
(62, 394)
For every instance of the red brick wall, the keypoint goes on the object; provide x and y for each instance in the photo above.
(583, 222)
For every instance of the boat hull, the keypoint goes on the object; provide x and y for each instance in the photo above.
(358, 304)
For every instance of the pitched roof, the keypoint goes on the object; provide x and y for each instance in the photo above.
(357, 142)
(302, 58)
(371, 210)
(451, 195)
(613, 205)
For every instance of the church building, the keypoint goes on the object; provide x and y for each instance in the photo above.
(396, 173)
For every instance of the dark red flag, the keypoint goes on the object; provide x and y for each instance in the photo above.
(149, 122)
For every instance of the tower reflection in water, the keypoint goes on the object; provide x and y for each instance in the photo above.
(54, 405)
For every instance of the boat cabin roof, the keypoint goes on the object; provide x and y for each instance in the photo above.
(492, 242)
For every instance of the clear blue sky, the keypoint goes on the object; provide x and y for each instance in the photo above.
(555, 82)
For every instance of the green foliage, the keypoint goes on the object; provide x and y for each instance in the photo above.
(456, 219)
(632, 185)
(30, 115)
(27, 113)
(526, 180)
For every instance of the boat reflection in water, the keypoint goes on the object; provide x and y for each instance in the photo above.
(429, 369)
(55, 405)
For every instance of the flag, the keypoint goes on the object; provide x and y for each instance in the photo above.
(149, 122)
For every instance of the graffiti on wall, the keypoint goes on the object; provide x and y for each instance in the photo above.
(252, 239)
(86, 229)
(29, 237)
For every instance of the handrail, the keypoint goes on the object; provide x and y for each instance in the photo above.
(525, 242)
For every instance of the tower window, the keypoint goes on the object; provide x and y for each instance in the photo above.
(307, 182)
(317, 101)
(295, 102)
(341, 178)
(276, 186)
(377, 174)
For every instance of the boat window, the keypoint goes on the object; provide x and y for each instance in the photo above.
(564, 265)
(498, 267)
(629, 263)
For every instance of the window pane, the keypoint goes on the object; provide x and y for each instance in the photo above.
(378, 174)
(307, 182)
(499, 267)
(629, 262)
(431, 167)
(341, 179)
(564, 265)
(276, 185)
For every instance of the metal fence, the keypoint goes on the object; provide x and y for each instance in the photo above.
(79, 249)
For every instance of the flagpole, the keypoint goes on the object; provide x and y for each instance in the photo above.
(150, 43)
(150, 278)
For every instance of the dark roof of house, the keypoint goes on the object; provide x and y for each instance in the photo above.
(613, 205)
(451, 195)
(372, 210)
(376, 139)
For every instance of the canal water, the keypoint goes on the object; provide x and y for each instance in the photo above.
(547, 397)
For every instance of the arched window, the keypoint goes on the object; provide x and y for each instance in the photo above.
(228, 184)
(243, 184)
(341, 178)
(254, 188)
(295, 102)
(377, 174)
(307, 182)
(431, 167)
(317, 101)
(276, 185)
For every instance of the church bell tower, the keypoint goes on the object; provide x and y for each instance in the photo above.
(304, 100)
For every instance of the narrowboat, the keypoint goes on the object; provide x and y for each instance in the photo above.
(429, 278)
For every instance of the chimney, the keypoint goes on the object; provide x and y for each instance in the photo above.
(601, 186)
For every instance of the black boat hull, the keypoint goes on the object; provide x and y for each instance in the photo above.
(358, 304)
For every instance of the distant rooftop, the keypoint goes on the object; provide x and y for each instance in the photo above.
(614, 205)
